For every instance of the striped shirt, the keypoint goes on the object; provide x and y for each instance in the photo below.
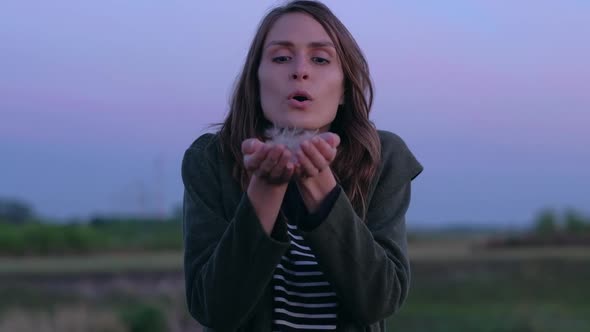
(304, 300)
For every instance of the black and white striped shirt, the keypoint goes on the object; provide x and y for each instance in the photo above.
(304, 300)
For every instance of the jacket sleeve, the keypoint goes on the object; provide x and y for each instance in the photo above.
(367, 263)
(227, 263)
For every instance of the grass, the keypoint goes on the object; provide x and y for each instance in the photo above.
(532, 290)
(454, 288)
(460, 251)
(471, 249)
(98, 263)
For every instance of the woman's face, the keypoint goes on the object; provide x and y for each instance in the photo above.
(301, 78)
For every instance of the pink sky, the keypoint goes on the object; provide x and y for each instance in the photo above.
(492, 98)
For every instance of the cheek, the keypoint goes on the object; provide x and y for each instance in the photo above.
(335, 85)
(268, 92)
(268, 84)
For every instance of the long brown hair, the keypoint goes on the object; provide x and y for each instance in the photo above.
(359, 151)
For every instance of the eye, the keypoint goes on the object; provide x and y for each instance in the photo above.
(281, 59)
(320, 61)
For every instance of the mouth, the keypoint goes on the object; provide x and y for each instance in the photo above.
(300, 96)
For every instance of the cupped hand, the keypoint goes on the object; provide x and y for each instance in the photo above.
(316, 154)
(268, 161)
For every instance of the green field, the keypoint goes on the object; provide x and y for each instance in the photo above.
(454, 288)
(88, 264)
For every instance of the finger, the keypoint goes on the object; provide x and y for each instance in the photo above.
(332, 139)
(288, 173)
(278, 170)
(313, 154)
(324, 149)
(252, 161)
(270, 161)
(251, 145)
(297, 171)
(307, 167)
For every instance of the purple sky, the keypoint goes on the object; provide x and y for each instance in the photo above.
(99, 100)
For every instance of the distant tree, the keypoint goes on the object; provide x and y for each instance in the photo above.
(575, 222)
(546, 222)
(15, 211)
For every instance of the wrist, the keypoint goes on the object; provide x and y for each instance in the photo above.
(257, 184)
(315, 189)
(266, 200)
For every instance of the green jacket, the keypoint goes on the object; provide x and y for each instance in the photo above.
(229, 260)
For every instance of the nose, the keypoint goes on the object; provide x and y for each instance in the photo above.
(299, 76)
(300, 70)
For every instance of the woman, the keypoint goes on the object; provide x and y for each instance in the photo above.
(306, 236)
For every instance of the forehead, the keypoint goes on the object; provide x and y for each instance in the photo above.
(297, 27)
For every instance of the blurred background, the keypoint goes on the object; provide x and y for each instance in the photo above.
(99, 100)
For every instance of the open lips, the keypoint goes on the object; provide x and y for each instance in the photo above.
(299, 99)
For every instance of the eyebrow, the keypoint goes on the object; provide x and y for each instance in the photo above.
(316, 44)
